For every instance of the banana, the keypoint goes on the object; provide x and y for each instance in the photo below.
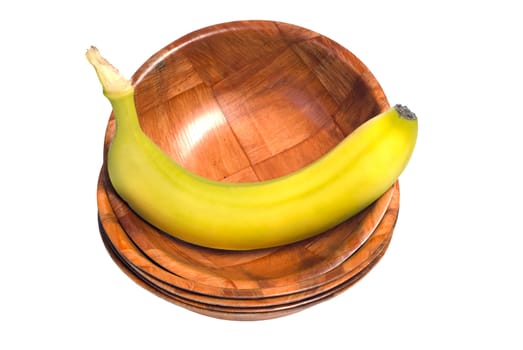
(244, 216)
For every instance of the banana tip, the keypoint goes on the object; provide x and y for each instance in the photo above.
(405, 112)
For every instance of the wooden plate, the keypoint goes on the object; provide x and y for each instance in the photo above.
(156, 273)
(362, 260)
(196, 275)
(235, 309)
(244, 314)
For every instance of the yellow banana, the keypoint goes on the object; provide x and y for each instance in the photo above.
(242, 216)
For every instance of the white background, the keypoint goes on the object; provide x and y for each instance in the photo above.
(452, 277)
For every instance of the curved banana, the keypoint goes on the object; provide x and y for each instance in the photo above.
(242, 216)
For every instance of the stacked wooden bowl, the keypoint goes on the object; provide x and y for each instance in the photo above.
(249, 101)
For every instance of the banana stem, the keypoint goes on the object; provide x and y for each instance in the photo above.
(113, 82)
(118, 90)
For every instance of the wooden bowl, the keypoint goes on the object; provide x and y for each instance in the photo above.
(247, 101)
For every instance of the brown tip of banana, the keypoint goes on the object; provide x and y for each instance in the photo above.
(405, 112)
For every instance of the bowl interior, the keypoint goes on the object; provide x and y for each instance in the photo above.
(252, 100)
